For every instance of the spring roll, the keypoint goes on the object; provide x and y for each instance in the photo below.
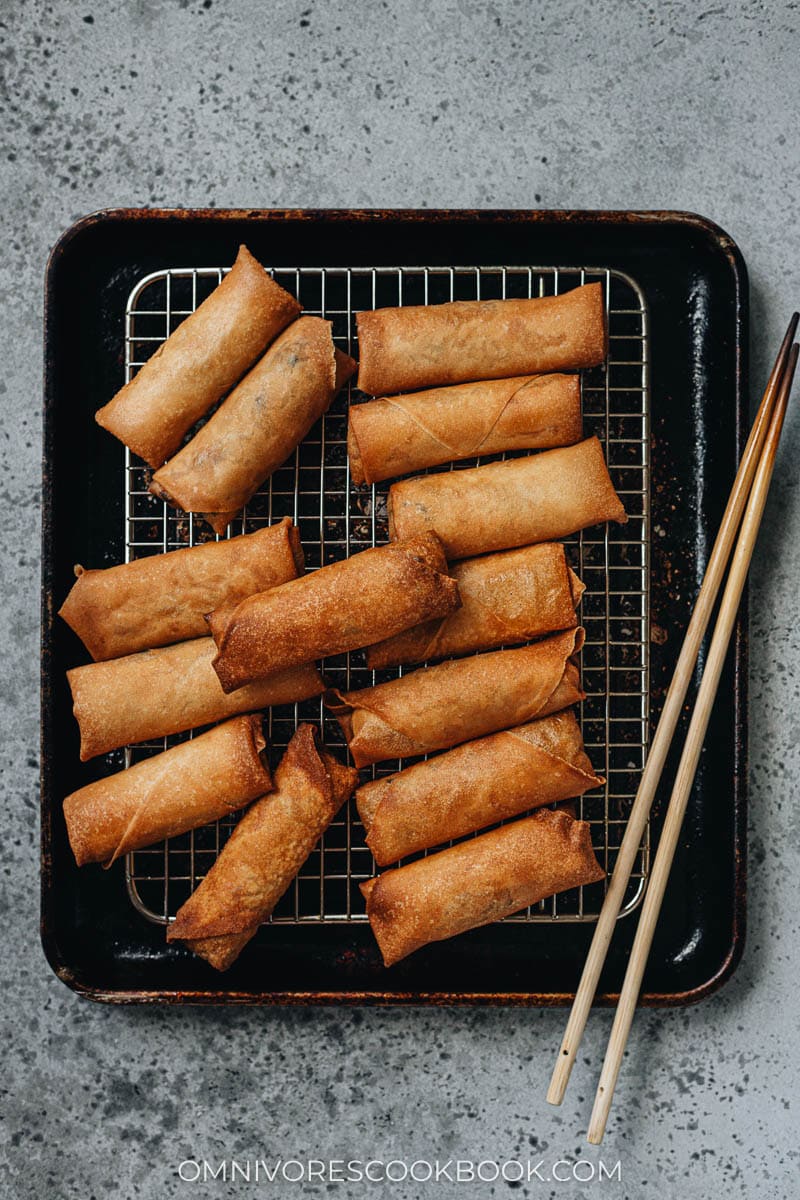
(164, 598)
(259, 425)
(466, 698)
(264, 853)
(185, 787)
(505, 599)
(199, 362)
(340, 607)
(403, 349)
(475, 785)
(401, 434)
(540, 498)
(157, 692)
(479, 881)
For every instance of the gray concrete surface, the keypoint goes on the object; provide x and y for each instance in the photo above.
(593, 104)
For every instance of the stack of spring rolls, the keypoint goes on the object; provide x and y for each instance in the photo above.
(473, 580)
(474, 379)
(278, 372)
(144, 625)
(155, 686)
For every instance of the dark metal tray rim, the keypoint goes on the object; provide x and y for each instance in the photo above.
(389, 996)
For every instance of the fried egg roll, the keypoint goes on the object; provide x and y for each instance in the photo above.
(258, 426)
(505, 598)
(403, 349)
(466, 698)
(479, 881)
(540, 498)
(264, 853)
(165, 598)
(475, 785)
(185, 787)
(157, 692)
(204, 357)
(340, 607)
(400, 434)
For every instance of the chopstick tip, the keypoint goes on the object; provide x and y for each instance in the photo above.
(791, 330)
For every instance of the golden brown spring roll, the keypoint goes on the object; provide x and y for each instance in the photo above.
(475, 785)
(185, 787)
(466, 698)
(205, 356)
(401, 434)
(340, 607)
(403, 349)
(265, 851)
(505, 598)
(259, 425)
(540, 498)
(479, 881)
(165, 598)
(158, 692)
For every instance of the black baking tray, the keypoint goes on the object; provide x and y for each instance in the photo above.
(695, 284)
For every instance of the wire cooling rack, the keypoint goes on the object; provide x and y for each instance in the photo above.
(336, 518)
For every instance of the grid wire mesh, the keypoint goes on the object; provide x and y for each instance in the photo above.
(337, 518)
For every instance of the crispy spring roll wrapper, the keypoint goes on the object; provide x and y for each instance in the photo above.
(185, 787)
(466, 698)
(479, 881)
(157, 692)
(540, 498)
(403, 349)
(258, 426)
(264, 853)
(340, 607)
(165, 598)
(505, 598)
(475, 785)
(199, 362)
(401, 434)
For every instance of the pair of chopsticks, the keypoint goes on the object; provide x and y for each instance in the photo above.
(743, 513)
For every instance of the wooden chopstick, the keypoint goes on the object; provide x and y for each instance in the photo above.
(662, 739)
(689, 759)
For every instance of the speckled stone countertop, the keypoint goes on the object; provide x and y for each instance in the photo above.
(210, 102)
